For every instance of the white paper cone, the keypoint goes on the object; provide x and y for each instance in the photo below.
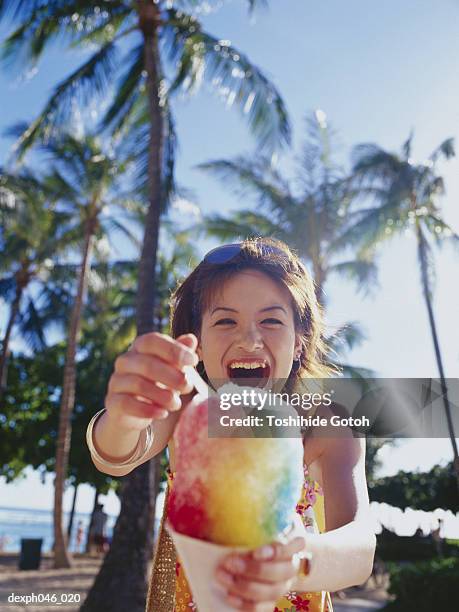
(200, 558)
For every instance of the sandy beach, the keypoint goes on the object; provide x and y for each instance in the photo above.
(68, 587)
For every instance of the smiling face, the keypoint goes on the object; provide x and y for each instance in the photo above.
(249, 325)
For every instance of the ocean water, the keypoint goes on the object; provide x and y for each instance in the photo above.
(17, 523)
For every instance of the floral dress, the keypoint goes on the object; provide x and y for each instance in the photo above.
(311, 509)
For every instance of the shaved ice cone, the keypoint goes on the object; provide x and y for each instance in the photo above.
(200, 559)
(228, 495)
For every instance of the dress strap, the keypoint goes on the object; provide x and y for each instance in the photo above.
(161, 590)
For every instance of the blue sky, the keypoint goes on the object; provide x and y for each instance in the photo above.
(377, 70)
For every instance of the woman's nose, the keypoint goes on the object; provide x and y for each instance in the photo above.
(250, 340)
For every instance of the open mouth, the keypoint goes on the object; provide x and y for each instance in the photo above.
(249, 375)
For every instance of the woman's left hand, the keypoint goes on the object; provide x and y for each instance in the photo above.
(255, 580)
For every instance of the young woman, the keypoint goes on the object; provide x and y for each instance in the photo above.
(252, 302)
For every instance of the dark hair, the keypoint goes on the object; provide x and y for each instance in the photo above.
(196, 292)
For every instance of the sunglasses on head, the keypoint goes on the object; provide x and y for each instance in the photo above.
(226, 252)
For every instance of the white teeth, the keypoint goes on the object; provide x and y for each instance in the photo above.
(248, 365)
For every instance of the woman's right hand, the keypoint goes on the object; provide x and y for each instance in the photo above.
(148, 379)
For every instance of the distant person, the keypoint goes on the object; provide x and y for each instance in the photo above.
(98, 530)
(79, 536)
(437, 538)
(4, 539)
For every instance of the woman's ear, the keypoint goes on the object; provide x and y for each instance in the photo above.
(298, 346)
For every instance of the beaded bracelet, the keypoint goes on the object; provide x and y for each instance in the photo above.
(139, 452)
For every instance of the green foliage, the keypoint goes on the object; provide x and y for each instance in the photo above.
(28, 257)
(372, 461)
(27, 425)
(426, 491)
(391, 547)
(29, 419)
(29, 414)
(424, 586)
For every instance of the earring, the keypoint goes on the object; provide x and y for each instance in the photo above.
(296, 364)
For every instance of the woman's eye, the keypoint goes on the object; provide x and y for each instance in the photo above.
(272, 321)
(224, 321)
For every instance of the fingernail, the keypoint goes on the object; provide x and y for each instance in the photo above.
(188, 358)
(234, 601)
(225, 577)
(235, 564)
(265, 552)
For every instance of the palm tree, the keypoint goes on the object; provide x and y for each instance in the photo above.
(85, 181)
(310, 214)
(114, 587)
(34, 236)
(156, 33)
(406, 197)
(150, 34)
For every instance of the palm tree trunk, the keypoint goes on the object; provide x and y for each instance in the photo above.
(319, 282)
(91, 520)
(61, 554)
(315, 255)
(72, 512)
(6, 340)
(147, 268)
(433, 328)
(121, 583)
(122, 580)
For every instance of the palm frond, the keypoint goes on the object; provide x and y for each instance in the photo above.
(347, 336)
(136, 125)
(374, 164)
(369, 228)
(245, 177)
(59, 185)
(363, 272)
(111, 225)
(31, 327)
(12, 9)
(56, 300)
(446, 150)
(169, 156)
(108, 27)
(254, 4)
(357, 372)
(240, 225)
(7, 288)
(407, 146)
(41, 23)
(127, 91)
(89, 79)
(200, 56)
(440, 231)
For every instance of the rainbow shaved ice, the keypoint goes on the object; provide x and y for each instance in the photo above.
(232, 491)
